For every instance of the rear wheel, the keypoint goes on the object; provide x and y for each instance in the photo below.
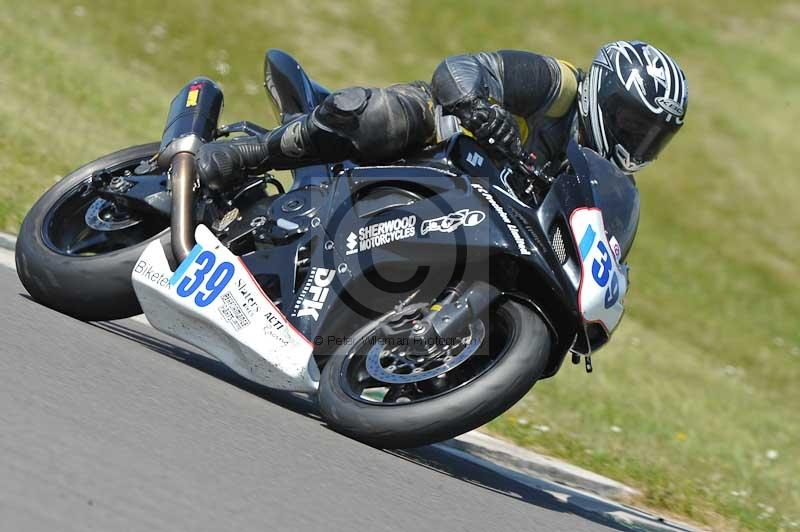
(75, 251)
(384, 393)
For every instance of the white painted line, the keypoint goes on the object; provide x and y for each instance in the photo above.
(7, 259)
(7, 244)
(531, 463)
(8, 241)
(619, 513)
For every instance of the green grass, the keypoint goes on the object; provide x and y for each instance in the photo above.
(695, 402)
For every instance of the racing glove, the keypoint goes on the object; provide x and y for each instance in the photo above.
(222, 165)
(496, 129)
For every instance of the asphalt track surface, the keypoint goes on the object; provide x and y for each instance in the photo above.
(113, 426)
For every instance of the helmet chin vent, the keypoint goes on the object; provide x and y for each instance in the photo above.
(623, 159)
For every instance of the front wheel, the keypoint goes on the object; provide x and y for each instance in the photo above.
(75, 251)
(390, 395)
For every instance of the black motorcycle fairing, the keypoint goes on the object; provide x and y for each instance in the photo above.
(590, 182)
(365, 283)
(328, 280)
(543, 282)
(540, 279)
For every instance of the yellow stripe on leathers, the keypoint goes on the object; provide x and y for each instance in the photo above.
(523, 128)
(567, 92)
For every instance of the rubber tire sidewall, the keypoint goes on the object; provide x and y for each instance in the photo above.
(88, 288)
(440, 418)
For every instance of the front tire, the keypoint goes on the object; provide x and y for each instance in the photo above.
(53, 261)
(466, 407)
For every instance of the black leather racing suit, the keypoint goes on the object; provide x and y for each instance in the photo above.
(371, 125)
(539, 90)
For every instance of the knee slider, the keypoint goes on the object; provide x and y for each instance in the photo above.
(341, 110)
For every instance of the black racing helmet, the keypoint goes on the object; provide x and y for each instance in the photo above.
(632, 101)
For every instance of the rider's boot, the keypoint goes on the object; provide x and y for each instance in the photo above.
(354, 123)
(222, 165)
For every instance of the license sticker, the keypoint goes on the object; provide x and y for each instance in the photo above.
(603, 284)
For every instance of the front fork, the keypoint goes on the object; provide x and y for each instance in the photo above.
(455, 312)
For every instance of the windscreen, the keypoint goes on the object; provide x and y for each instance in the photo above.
(617, 197)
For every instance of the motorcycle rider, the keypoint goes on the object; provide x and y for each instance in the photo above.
(516, 104)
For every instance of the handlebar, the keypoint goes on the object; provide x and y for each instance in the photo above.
(530, 183)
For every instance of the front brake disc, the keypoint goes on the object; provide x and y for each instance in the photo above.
(394, 373)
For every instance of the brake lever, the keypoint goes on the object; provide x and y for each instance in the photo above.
(533, 183)
(525, 166)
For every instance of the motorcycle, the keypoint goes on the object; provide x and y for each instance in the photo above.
(417, 300)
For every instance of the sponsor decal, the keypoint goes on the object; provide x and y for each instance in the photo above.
(275, 327)
(194, 94)
(450, 222)
(232, 312)
(522, 246)
(475, 159)
(146, 270)
(380, 234)
(274, 320)
(615, 247)
(315, 292)
(670, 106)
(352, 243)
(511, 196)
(275, 335)
(250, 302)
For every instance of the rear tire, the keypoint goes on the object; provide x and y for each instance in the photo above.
(91, 288)
(441, 417)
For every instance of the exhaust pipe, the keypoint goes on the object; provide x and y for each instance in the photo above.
(182, 217)
(192, 121)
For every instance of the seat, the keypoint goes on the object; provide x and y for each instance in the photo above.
(291, 90)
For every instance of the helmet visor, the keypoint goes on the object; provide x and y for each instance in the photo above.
(642, 133)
